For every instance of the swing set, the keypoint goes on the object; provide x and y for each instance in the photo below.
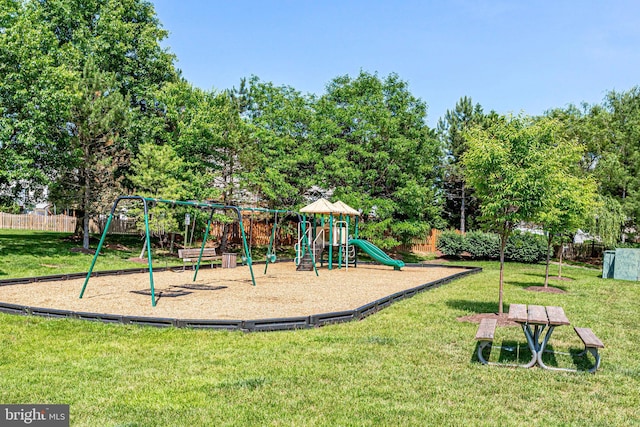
(212, 207)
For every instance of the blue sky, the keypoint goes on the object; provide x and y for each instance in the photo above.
(509, 56)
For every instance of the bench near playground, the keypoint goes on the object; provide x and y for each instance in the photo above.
(191, 255)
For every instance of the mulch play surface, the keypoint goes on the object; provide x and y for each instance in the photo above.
(227, 293)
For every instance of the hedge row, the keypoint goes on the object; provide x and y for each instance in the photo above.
(521, 247)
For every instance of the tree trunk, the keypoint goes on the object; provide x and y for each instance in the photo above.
(79, 223)
(85, 219)
(560, 259)
(546, 272)
(85, 236)
(224, 239)
(462, 210)
(503, 244)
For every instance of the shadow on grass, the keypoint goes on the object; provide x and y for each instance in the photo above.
(39, 244)
(551, 276)
(581, 361)
(525, 285)
(474, 306)
(46, 244)
(509, 353)
(518, 353)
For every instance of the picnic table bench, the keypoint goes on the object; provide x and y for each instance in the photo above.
(485, 334)
(191, 255)
(534, 319)
(591, 344)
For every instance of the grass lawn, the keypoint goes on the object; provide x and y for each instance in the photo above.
(38, 253)
(411, 364)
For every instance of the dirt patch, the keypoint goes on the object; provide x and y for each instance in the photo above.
(138, 260)
(548, 289)
(476, 318)
(83, 251)
(562, 279)
(117, 247)
(227, 293)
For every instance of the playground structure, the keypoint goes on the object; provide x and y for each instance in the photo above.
(327, 228)
(211, 207)
(327, 232)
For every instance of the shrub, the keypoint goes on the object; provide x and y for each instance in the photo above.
(521, 247)
(483, 245)
(451, 243)
(525, 247)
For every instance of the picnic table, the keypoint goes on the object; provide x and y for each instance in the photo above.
(540, 318)
(534, 320)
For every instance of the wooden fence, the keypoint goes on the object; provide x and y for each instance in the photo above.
(117, 226)
(258, 232)
(61, 223)
(426, 245)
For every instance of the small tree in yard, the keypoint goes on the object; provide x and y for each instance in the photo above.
(568, 205)
(160, 173)
(512, 164)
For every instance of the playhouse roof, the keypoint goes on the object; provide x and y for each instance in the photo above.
(346, 209)
(323, 206)
(320, 206)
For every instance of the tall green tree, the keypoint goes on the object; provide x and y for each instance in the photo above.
(511, 164)
(208, 133)
(44, 47)
(201, 128)
(279, 160)
(35, 98)
(451, 130)
(610, 132)
(98, 117)
(378, 154)
(619, 169)
(158, 172)
(607, 221)
(568, 206)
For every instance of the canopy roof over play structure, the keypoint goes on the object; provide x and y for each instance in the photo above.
(325, 207)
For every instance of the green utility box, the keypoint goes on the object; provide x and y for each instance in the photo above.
(626, 264)
(608, 264)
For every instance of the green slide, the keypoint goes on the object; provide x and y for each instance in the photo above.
(376, 253)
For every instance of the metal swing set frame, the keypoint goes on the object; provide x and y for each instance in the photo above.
(146, 201)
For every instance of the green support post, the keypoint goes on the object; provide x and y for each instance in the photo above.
(330, 242)
(212, 206)
(146, 227)
(340, 243)
(305, 243)
(271, 243)
(104, 235)
(95, 256)
(246, 248)
(204, 242)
